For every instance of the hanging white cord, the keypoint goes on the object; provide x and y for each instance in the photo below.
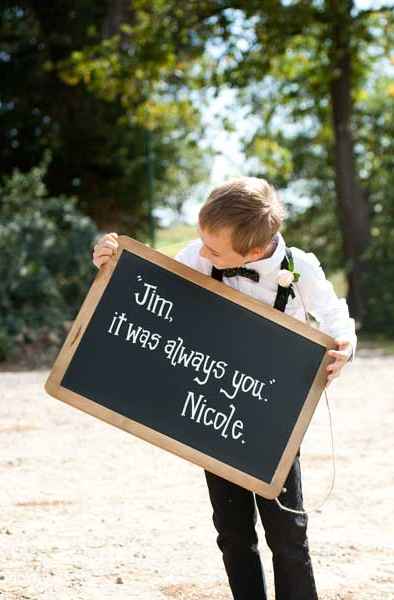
(317, 508)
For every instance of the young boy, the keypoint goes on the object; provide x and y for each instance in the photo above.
(240, 244)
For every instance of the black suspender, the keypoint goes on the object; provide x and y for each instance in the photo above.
(282, 294)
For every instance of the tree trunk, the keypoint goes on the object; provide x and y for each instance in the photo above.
(119, 11)
(351, 200)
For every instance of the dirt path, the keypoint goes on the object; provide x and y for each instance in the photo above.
(89, 512)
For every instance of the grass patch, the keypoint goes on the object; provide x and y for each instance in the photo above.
(172, 239)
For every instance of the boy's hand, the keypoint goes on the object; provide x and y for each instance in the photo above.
(341, 355)
(104, 249)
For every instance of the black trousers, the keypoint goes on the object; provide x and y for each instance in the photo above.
(235, 517)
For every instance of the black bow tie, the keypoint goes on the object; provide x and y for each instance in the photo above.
(243, 271)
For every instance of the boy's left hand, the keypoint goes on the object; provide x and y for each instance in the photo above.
(341, 356)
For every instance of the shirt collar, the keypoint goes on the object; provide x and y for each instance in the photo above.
(267, 265)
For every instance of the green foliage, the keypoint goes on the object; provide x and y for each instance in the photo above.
(45, 267)
(376, 149)
(380, 281)
(89, 83)
(316, 228)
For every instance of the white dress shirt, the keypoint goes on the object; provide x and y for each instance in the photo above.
(313, 292)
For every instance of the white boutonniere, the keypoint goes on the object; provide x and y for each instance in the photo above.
(287, 276)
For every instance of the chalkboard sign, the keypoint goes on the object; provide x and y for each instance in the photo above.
(193, 366)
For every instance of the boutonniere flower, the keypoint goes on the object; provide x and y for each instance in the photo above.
(287, 276)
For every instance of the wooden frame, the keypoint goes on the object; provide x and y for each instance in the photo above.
(52, 386)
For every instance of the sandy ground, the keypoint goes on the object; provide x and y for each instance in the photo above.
(90, 512)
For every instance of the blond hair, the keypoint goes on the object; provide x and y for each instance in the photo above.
(250, 206)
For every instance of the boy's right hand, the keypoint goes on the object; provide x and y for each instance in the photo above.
(104, 249)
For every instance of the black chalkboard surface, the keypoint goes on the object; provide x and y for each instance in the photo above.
(193, 366)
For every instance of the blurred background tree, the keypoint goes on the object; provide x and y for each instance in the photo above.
(89, 81)
(43, 279)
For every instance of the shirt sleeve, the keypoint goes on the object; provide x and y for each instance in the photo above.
(190, 256)
(184, 257)
(321, 301)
